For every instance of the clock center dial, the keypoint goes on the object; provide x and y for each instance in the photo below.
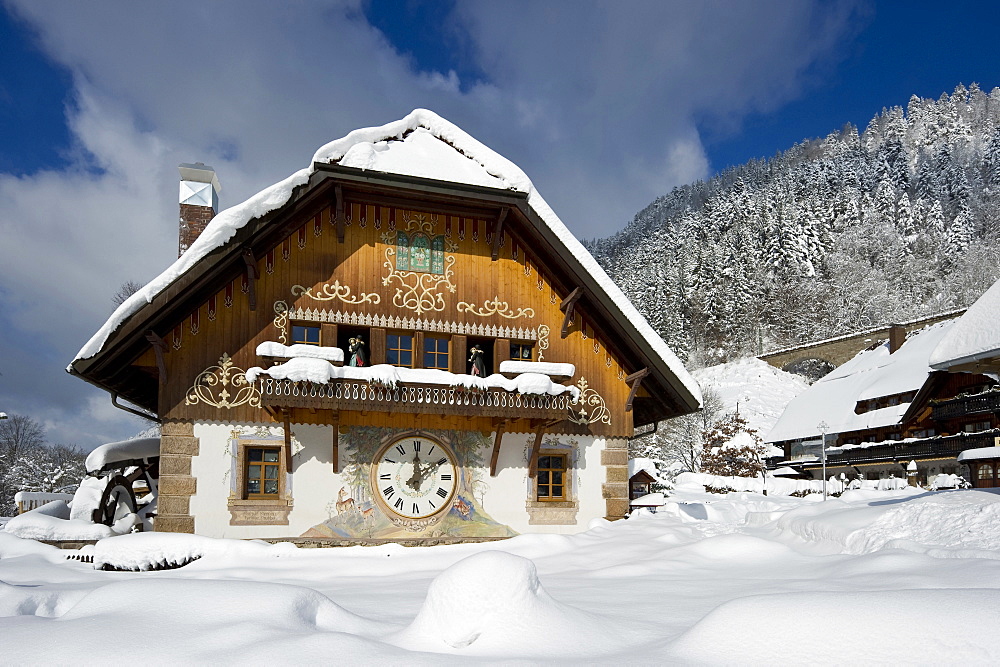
(414, 477)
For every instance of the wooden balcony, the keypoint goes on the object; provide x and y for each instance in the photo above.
(411, 398)
(927, 448)
(967, 405)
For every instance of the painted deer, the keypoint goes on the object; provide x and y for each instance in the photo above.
(344, 504)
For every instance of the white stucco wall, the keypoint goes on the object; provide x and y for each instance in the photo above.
(314, 485)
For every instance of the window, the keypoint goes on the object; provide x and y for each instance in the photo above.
(263, 467)
(986, 471)
(551, 482)
(399, 350)
(975, 427)
(305, 335)
(436, 353)
(521, 351)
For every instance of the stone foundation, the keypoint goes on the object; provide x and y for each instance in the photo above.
(176, 485)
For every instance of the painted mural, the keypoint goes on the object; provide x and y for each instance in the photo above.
(354, 513)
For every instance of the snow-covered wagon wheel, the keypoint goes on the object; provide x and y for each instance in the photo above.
(117, 501)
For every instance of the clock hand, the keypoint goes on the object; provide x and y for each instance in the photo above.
(417, 477)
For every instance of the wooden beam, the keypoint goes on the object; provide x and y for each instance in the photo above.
(287, 416)
(633, 381)
(338, 218)
(335, 444)
(533, 461)
(568, 306)
(497, 233)
(252, 275)
(496, 448)
(159, 347)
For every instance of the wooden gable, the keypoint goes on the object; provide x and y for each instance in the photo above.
(479, 266)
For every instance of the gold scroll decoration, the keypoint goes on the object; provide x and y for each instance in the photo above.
(495, 307)
(591, 407)
(334, 290)
(281, 321)
(543, 340)
(212, 387)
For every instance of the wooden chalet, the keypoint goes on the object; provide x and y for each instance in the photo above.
(400, 341)
(887, 408)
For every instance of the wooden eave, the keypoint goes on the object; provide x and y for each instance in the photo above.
(112, 368)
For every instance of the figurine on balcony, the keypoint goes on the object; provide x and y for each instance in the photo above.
(478, 364)
(356, 350)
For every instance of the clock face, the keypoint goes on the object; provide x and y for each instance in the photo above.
(414, 477)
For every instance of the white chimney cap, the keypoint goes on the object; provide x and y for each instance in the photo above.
(199, 172)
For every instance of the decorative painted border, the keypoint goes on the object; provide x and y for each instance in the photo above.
(417, 323)
(589, 398)
(495, 307)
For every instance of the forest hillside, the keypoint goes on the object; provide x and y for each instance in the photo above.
(833, 235)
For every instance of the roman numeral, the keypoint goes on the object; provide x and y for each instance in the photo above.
(431, 450)
(399, 503)
(401, 450)
(416, 445)
(386, 476)
(388, 491)
(446, 478)
(442, 492)
(442, 462)
(388, 460)
(432, 504)
(416, 510)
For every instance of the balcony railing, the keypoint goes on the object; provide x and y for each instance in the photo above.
(967, 405)
(940, 447)
(411, 398)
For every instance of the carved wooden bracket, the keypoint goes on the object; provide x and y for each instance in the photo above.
(535, 448)
(568, 306)
(252, 275)
(286, 415)
(338, 213)
(497, 232)
(496, 448)
(159, 347)
(633, 381)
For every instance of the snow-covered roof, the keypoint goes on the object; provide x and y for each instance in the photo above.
(979, 454)
(424, 145)
(871, 374)
(975, 335)
(644, 464)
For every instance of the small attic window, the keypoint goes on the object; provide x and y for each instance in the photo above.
(419, 253)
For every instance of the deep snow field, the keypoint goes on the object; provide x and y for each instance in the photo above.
(870, 577)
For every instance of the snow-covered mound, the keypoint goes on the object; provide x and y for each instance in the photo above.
(756, 629)
(493, 601)
(151, 551)
(761, 390)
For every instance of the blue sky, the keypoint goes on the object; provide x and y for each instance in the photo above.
(605, 105)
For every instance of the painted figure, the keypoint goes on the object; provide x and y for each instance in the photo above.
(477, 361)
(356, 350)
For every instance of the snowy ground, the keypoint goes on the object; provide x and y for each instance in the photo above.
(871, 577)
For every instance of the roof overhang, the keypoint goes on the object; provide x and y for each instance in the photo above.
(112, 369)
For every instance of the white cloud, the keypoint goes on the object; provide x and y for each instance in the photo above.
(599, 103)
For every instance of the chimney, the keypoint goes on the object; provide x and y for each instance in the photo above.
(199, 201)
(897, 336)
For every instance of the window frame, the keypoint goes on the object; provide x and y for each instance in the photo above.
(389, 349)
(437, 353)
(310, 325)
(564, 470)
(521, 345)
(263, 464)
